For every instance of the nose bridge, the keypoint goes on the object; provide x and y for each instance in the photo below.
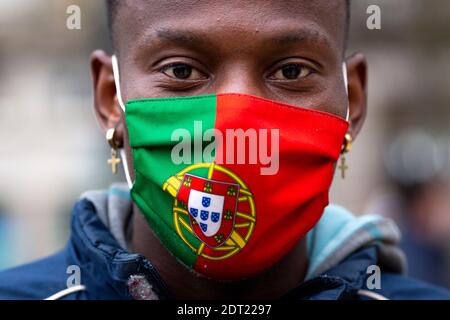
(240, 77)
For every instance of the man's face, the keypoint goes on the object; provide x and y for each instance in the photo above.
(289, 51)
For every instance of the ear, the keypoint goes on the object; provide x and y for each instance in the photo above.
(357, 91)
(107, 109)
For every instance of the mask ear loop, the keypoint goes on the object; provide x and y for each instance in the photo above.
(348, 138)
(125, 168)
(344, 73)
(115, 67)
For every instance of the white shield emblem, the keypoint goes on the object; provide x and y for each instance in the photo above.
(207, 210)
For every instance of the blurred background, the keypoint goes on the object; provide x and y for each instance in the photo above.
(53, 150)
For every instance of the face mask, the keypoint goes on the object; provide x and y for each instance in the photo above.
(230, 209)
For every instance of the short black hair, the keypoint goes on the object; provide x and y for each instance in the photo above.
(112, 7)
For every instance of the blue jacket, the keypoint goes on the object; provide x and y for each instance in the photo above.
(109, 271)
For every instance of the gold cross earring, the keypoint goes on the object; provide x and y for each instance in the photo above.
(114, 160)
(346, 147)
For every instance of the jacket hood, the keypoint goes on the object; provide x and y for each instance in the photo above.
(339, 233)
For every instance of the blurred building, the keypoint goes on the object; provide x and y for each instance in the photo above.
(52, 149)
(408, 82)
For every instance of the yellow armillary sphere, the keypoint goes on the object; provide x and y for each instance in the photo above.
(218, 209)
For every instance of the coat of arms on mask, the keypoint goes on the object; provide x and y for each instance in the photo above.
(215, 205)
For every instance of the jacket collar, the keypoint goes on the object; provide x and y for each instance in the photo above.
(107, 270)
(341, 281)
(111, 272)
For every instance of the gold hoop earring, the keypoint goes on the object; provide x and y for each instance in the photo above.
(114, 160)
(346, 147)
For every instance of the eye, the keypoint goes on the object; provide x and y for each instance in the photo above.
(291, 71)
(182, 71)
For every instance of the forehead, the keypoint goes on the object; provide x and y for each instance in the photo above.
(139, 21)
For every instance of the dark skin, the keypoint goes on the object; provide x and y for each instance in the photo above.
(288, 51)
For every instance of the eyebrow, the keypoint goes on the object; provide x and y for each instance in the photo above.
(190, 38)
(182, 37)
(302, 35)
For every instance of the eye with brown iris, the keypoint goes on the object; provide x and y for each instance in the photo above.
(182, 71)
(291, 71)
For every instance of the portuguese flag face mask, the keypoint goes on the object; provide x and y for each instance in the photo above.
(230, 182)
